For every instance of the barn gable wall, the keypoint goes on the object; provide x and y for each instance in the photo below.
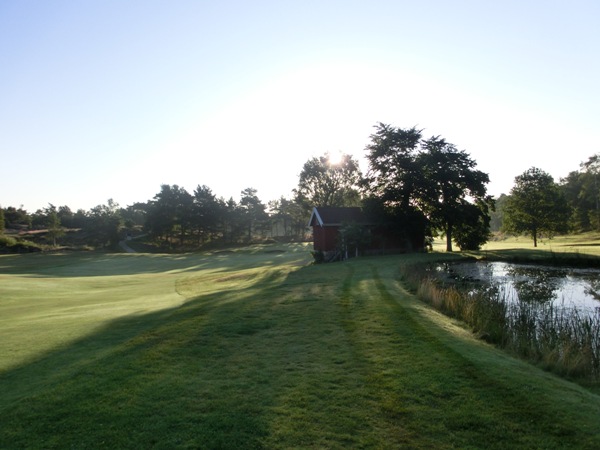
(325, 238)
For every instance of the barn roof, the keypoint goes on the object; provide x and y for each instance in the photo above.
(334, 216)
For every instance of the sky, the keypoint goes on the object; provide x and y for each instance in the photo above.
(111, 99)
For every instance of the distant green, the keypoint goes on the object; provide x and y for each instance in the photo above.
(256, 348)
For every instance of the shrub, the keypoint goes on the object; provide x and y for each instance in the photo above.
(318, 256)
(9, 244)
(7, 241)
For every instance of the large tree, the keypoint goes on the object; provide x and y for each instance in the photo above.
(207, 213)
(394, 174)
(104, 223)
(590, 189)
(536, 206)
(233, 221)
(324, 182)
(53, 224)
(391, 185)
(288, 214)
(253, 212)
(453, 193)
(427, 182)
(16, 218)
(497, 215)
(582, 191)
(473, 230)
(135, 214)
(171, 211)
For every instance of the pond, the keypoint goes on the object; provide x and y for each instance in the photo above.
(559, 286)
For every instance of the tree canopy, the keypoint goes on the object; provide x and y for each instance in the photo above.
(454, 192)
(536, 206)
(582, 191)
(429, 178)
(414, 188)
(325, 183)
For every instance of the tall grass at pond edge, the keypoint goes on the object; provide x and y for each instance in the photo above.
(563, 340)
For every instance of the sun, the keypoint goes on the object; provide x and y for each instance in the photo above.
(334, 158)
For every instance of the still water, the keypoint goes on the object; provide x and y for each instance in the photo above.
(561, 286)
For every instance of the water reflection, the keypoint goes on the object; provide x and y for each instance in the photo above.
(529, 283)
(534, 284)
(593, 290)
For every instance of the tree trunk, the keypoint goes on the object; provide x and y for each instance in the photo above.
(449, 238)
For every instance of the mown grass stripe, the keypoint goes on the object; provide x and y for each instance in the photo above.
(332, 356)
(481, 406)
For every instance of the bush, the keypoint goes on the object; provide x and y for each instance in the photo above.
(319, 257)
(7, 241)
(9, 244)
(471, 237)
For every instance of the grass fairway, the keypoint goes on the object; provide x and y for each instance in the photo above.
(583, 244)
(258, 349)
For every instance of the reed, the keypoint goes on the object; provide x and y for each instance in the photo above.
(562, 339)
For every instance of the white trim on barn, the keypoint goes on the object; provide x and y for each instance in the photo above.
(315, 213)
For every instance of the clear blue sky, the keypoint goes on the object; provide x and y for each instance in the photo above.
(111, 99)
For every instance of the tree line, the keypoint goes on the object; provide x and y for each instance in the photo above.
(540, 207)
(101, 226)
(172, 218)
(415, 188)
(174, 215)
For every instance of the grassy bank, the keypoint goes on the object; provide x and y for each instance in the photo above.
(559, 338)
(257, 349)
(577, 249)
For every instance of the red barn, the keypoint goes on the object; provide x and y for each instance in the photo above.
(384, 238)
(326, 222)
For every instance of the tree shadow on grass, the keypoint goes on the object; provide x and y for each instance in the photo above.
(219, 371)
(93, 264)
(180, 377)
(284, 359)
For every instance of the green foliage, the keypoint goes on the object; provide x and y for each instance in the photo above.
(473, 230)
(431, 176)
(198, 219)
(2, 221)
(7, 241)
(582, 191)
(353, 238)
(536, 206)
(206, 215)
(497, 214)
(55, 230)
(170, 213)
(564, 340)
(394, 173)
(454, 192)
(16, 218)
(318, 256)
(289, 215)
(396, 227)
(104, 223)
(253, 212)
(9, 244)
(323, 183)
(135, 214)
